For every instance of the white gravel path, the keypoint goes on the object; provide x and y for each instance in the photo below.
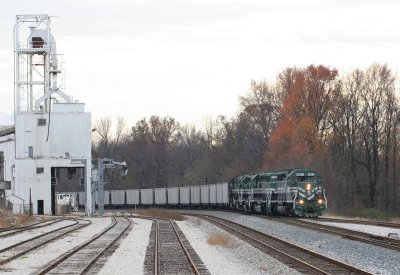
(36, 259)
(129, 256)
(8, 241)
(240, 258)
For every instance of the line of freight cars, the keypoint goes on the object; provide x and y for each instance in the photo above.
(292, 192)
(188, 196)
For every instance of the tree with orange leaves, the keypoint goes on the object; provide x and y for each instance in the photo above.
(308, 113)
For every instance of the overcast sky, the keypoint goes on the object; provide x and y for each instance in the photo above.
(192, 59)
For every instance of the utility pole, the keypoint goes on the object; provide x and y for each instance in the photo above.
(102, 165)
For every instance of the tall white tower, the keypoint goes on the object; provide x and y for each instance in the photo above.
(52, 133)
(36, 65)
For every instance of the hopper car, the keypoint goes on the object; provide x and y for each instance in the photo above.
(291, 192)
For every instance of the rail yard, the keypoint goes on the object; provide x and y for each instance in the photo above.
(247, 194)
(128, 243)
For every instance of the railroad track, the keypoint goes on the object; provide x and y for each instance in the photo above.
(381, 241)
(19, 249)
(169, 252)
(83, 259)
(376, 223)
(14, 231)
(296, 257)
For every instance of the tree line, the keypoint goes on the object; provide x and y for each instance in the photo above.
(344, 126)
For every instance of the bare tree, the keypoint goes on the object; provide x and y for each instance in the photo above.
(104, 136)
(378, 85)
(120, 134)
(261, 105)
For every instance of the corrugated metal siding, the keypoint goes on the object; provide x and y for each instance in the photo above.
(195, 194)
(225, 196)
(160, 195)
(26, 178)
(146, 196)
(173, 195)
(205, 194)
(25, 133)
(39, 184)
(213, 194)
(132, 196)
(184, 195)
(117, 197)
(8, 147)
(222, 193)
(69, 132)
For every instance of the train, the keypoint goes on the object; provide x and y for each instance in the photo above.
(292, 192)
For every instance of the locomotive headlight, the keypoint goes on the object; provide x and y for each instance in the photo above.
(301, 201)
(308, 187)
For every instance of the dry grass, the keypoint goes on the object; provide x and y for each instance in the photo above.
(4, 223)
(160, 213)
(220, 239)
(22, 219)
(8, 219)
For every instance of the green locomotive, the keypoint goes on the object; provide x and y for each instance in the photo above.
(292, 192)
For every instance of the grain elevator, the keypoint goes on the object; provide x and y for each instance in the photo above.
(52, 132)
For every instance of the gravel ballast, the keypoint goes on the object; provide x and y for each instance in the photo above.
(370, 258)
(129, 256)
(11, 240)
(370, 229)
(236, 258)
(36, 259)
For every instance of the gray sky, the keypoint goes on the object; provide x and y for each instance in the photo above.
(191, 59)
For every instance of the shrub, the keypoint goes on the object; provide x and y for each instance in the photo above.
(8, 219)
(370, 213)
(221, 239)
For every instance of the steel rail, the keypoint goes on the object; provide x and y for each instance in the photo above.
(376, 240)
(15, 231)
(217, 221)
(188, 257)
(156, 240)
(89, 265)
(65, 256)
(2, 262)
(156, 247)
(37, 237)
(24, 226)
(376, 223)
(157, 244)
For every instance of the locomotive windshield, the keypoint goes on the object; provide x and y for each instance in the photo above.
(306, 179)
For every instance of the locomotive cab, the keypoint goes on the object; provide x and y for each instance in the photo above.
(310, 200)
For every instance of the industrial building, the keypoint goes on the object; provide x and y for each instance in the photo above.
(51, 139)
